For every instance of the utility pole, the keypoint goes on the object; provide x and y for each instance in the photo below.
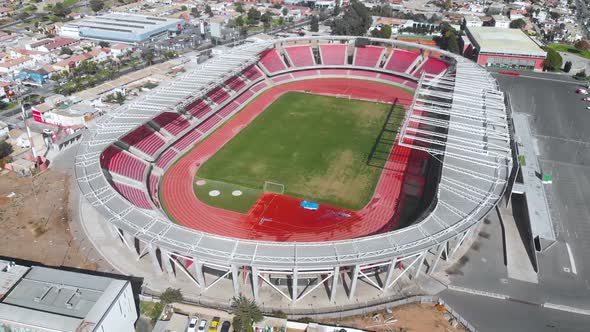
(24, 114)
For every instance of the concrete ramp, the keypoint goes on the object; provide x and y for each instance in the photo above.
(518, 260)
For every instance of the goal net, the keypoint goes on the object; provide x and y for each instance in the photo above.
(273, 187)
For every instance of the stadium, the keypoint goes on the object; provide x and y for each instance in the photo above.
(303, 165)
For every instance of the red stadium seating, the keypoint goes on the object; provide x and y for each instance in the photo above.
(300, 56)
(333, 54)
(235, 83)
(209, 123)
(134, 195)
(271, 60)
(118, 161)
(252, 73)
(363, 73)
(305, 73)
(244, 97)
(218, 95)
(367, 56)
(432, 66)
(260, 86)
(198, 108)
(401, 60)
(188, 140)
(227, 109)
(166, 158)
(282, 78)
(144, 139)
(173, 123)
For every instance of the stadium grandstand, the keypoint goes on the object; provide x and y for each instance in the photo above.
(456, 114)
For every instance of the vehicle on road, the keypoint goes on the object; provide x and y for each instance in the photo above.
(582, 91)
(586, 99)
(225, 326)
(202, 325)
(192, 325)
(214, 324)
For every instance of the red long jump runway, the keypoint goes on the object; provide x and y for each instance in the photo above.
(277, 217)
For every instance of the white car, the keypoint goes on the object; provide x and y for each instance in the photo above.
(582, 91)
(192, 325)
(202, 325)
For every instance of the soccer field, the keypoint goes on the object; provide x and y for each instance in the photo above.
(325, 149)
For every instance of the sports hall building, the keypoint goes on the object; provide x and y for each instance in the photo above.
(121, 28)
(503, 48)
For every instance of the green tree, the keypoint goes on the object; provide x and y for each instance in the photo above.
(254, 16)
(239, 21)
(518, 24)
(239, 7)
(170, 54)
(285, 11)
(183, 8)
(384, 32)
(581, 74)
(171, 295)
(266, 19)
(61, 10)
(5, 149)
(148, 55)
(567, 67)
(208, 10)
(96, 5)
(245, 312)
(195, 12)
(448, 38)
(355, 22)
(315, 24)
(103, 44)
(582, 45)
(553, 61)
(66, 50)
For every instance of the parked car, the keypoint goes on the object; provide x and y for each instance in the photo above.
(225, 326)
(214, 324)
(582, 91)
(192, 325)
(202, 325)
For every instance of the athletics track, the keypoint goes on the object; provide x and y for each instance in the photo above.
(277, 217)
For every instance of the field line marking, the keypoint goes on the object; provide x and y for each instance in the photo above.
(572, 261)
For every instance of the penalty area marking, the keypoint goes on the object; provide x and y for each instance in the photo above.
(236, 193)
(214, 193)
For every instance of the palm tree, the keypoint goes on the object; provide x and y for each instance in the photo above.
(246, 313)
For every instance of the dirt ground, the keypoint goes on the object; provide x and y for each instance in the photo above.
(407, 318)
(34, 221)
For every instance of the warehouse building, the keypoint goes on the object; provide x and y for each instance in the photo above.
(46, 299)
(503, 48)
(121, 28)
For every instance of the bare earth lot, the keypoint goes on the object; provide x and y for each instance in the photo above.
(34, 221)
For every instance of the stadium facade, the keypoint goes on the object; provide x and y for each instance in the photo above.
(458, 115)
(504, 48)
(121, 27)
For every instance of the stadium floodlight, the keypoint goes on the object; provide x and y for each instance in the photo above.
(273, 187)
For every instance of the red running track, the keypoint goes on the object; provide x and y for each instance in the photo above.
(278, 217)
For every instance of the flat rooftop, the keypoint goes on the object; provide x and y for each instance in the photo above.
(57, 299)
(127, 23)
(504, 41)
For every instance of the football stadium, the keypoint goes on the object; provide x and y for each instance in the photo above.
(303, 165)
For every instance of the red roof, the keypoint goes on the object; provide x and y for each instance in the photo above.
(60, 42)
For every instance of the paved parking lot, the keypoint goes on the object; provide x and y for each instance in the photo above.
(560, 123)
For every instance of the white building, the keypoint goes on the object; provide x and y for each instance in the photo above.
(501, 21)
(45, 299)
(472, 21)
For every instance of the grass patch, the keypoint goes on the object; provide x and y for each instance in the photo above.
(326, 149)
(226, 200)
(70, 3)
(521, 160)
(570, 49)
(151, 309)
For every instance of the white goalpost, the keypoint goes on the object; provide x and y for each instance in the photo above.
(273, 187)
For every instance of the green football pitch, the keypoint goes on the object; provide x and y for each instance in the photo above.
(325, 149)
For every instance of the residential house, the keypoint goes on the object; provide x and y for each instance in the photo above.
(501, 21)
(14, 65)
(472, 21)
(119, 50)
(71, 62)
(39, 76)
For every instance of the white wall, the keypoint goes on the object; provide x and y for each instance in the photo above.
(122, 314)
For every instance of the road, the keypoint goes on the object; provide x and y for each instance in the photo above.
(559, 121)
